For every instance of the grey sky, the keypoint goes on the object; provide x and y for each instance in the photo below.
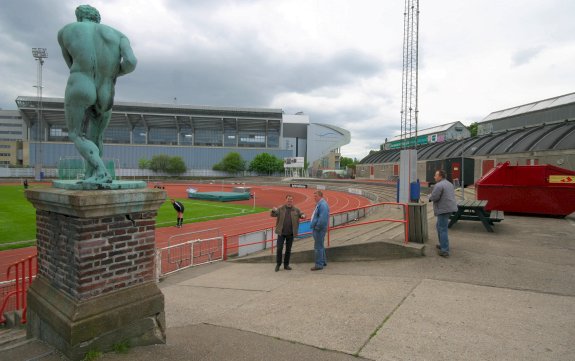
(337, 60)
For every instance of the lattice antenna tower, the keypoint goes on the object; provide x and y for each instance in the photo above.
(409, 109)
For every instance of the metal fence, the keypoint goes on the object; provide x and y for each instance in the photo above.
(188, 254)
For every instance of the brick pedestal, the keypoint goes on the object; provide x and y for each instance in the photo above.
(95, 285)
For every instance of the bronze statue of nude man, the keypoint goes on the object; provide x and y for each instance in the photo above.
(96, 55)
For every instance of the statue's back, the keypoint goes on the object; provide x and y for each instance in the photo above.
(94, 48)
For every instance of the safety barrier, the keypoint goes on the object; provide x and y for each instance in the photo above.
(371, 209)
(242, 244)
(188, 254)
(15, 299)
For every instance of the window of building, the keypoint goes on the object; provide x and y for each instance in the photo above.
(186, 136)
(117, 135)
(208, 137)
(58, 134)
(252, 139)
(139, 135)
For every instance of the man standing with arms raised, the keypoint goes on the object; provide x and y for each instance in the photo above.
(287, 225)
(96, 55)
(318, 225)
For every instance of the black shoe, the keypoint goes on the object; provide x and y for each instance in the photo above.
(287, 268)
(277, 267)
(444, 254)
(315, 268)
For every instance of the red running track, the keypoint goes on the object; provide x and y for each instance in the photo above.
(265, 196)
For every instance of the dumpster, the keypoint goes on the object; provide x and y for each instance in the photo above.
(532, 189)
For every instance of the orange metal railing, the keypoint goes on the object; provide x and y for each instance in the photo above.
(231, 242)
(24, 273)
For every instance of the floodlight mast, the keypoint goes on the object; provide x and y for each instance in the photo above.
(409, 108)
(39, 54)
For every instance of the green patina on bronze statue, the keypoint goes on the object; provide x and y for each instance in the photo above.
(96, 55)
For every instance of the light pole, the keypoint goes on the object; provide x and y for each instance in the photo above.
(39, 54)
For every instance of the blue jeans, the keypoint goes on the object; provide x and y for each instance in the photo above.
(318, 237)
(441, 225)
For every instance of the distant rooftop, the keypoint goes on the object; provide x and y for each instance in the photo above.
(432, 130)
(531, 107)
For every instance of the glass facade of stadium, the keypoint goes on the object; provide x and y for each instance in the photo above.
(202, 136)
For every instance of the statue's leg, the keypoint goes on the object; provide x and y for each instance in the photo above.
(80, 96)
(96, 131)
(95, 169)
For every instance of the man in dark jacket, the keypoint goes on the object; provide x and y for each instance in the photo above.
(179, 207)
(444, 203)
(287, 225)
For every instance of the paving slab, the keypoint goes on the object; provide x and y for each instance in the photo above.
(213, 343)
(449, 321)
(319, 309)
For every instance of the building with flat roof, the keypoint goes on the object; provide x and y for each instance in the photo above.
(201, 135)
(437, 134)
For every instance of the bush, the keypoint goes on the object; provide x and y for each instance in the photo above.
(266, 163)
(164, 163)
(231, 163)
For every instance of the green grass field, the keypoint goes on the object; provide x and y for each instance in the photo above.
(18, 216)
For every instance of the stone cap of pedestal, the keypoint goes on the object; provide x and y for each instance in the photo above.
(98, 203)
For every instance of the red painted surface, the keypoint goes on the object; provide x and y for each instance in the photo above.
(486, 166)
(526, 189)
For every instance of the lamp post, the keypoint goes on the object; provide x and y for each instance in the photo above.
(39, 54)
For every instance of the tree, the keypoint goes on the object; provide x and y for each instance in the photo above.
(164, 163)
(473, 129)
(160, 162)
(347, 162)
(231, 163)
(144, 163)
(265, 163)
(176, 165)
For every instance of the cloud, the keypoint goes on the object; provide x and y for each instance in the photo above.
(336, 60)
(524, 56)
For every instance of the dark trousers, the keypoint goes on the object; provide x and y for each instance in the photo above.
(280, 247)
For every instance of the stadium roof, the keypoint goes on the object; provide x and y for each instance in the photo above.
(153, 115)
(550, 136)
(531, 107)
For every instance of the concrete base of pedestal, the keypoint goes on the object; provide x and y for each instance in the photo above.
(134, 315)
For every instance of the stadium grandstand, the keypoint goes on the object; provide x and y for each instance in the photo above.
(201, 135)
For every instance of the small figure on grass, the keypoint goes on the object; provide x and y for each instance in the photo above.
(179, 207)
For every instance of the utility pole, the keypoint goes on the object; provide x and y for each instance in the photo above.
(409, 109)
(39, 54)
(409, 92)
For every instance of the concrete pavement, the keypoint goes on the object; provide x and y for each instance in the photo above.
(508, 295)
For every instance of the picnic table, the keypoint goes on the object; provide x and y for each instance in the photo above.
(474, 210)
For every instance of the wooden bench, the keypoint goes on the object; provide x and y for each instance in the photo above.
(474, 210)
(496, 216)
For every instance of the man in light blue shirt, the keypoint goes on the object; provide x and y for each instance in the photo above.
(319, 224)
